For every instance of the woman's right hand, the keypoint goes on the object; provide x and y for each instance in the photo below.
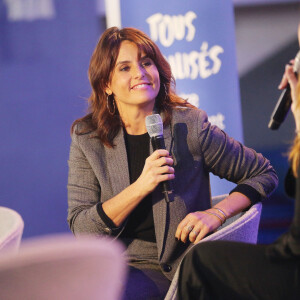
(157, 168)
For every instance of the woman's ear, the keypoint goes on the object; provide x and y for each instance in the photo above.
(108, 91)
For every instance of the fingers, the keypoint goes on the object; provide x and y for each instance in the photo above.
(288, 75)
(183, 231)
(195, 226)
(192, 233)
(284, 80)
(158, 154)
(189, 228)
(180, 228)
(164, 161)
(160, 157)
(161, 170)
(160, 163)
(201, 235)
(291, 77)
(292, 80)
(157, 168)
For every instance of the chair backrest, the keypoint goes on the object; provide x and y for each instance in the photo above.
(62, 267)
(243, 227)
(11, 229)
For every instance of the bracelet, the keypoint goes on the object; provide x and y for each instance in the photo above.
(221, 211)
(216, 215)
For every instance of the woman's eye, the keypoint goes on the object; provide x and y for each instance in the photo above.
(126, 68)
(147, 63)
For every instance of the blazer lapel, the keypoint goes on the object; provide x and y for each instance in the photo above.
(117, 164)
(117, 167)
(160, 209)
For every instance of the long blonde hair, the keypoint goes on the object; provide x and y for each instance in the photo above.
(294, 155)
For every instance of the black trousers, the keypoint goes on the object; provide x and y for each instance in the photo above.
(230, 270)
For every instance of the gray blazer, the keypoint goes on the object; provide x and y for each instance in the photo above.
(97, 173)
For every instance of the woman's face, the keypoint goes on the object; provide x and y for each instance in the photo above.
(134, 82)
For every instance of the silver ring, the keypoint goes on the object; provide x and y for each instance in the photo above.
(190, 228)
(195, 233)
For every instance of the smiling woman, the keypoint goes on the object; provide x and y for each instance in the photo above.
(135, 84)
(114, 175)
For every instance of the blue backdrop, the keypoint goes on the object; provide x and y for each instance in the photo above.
(198, 39)
(45, 47)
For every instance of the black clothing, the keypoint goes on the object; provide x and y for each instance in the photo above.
(140, 222)
(223, 270)
(143, 281)
(228, 270)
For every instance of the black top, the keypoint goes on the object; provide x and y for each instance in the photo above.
(140, 222)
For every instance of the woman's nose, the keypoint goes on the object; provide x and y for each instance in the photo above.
(139, 71)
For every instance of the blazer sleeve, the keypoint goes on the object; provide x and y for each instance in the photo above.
(228, 158)
(84, 196)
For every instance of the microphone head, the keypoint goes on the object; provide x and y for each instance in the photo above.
(297, 63)
(154, 125)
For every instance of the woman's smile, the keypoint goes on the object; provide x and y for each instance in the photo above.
(141, 86)
(135, 80)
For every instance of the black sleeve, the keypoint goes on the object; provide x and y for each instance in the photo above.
(105, 218)
(249, 192)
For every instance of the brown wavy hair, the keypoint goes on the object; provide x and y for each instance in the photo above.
(294, 155)
(106, 125)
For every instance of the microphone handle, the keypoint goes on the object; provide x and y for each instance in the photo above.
(281, 109)
(159, 143)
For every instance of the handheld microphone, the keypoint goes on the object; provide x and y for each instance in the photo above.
(284, 102)
(154, 127)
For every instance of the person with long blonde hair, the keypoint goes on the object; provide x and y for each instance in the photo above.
(227, 270)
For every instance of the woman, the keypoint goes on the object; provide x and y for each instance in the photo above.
(227, 270)
(114, 174)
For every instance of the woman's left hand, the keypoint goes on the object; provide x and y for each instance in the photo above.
(290, 78)
(195, 226)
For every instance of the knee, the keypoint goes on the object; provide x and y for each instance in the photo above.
(199, 256)
(202, 252)
(192, 276)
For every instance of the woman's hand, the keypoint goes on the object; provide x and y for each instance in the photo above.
(290, 78)
(195, 226)
(158, 168)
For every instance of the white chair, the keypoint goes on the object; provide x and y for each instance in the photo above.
(240, 228)
(11, 229)
(63, 267)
